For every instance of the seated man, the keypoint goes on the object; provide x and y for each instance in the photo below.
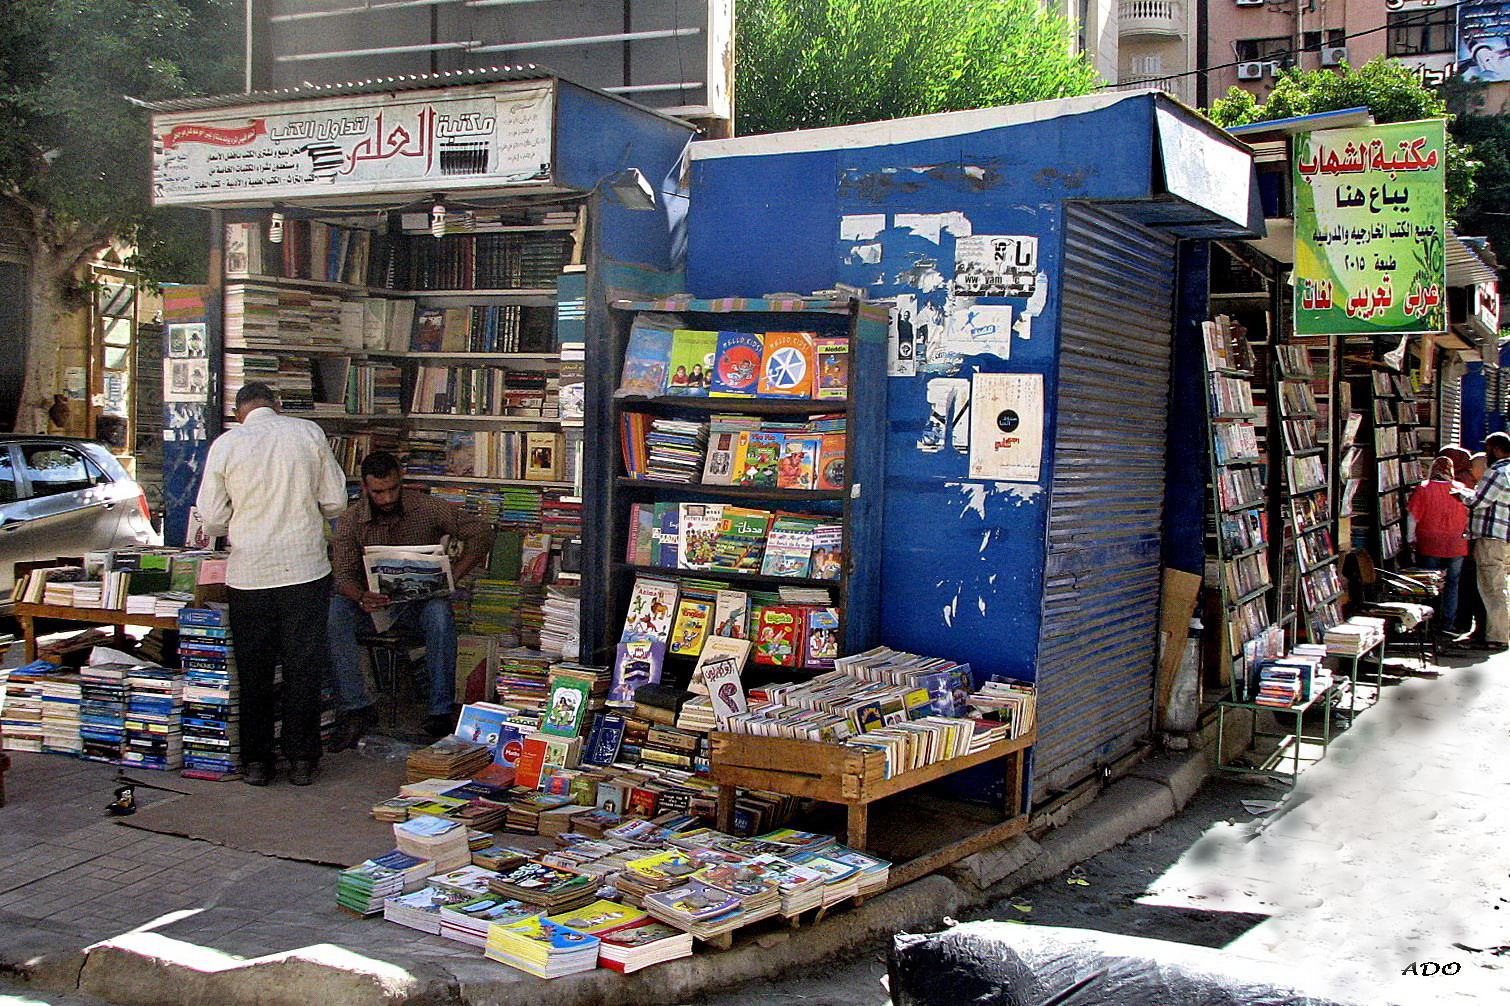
(389, 514)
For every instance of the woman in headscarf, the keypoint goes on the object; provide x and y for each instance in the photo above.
(1462, 470)
(1437, 526)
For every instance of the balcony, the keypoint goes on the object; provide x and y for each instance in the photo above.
(1180, 86)
(1150, 19)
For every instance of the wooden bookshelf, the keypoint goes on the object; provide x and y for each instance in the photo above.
(28, 613)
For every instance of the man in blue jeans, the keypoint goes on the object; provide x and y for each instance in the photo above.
(389, 514)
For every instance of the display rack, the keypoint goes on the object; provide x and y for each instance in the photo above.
(1396, 468)
(856, 504)
(1239, 562)
(1307, 478)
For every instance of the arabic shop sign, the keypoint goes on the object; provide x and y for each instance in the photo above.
(433, 140)
(1370, 226)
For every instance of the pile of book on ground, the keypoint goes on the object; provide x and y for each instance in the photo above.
(211, 693)
(635, 895)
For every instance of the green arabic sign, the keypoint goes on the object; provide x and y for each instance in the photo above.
(1370, 227)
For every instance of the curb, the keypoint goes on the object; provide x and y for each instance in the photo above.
(148, 969)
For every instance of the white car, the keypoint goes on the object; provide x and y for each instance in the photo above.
(63, 497)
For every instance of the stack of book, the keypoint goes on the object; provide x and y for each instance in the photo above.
(102, 710)
(363, 888)
(541, 948)
(60, 694)
(211, 694)
(643, 945)
(471, 880)
(704, 911)
(673, 451)
(468, 921)
(154, 711)
(522, 679)
(442, 842)
(1355, 637)
(21, 716)
(448, 758)
(657, 872)
(421, 909)
(1014, 703)
(553, 889)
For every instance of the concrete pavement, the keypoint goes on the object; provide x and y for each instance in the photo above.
(1386, 854)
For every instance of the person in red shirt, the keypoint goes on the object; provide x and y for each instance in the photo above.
(1438, 526)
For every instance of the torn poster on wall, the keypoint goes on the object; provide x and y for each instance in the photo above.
(948, 416)
(974, 329)
(914, 327)
(995, 265)
(1006, 427)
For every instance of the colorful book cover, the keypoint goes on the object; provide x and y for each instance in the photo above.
(695, 900)
(481, 725)
(776, 636)
(833, 366)
(642, 802)
(599, 918)
(757, 457)
(645, 362)
(731, 614)
(718, 466)
(798, 466)
(669, 539)
(637, 662)
(736, 365)
(820, 643)
(787, 365)
(557, 937)
(690, 628)
(830, 466)
(652, 603)
(603, 743)
(741, 539)
(429, 330)
(697, 529)
(719, 669)
(534, 556)
(566, 705)
(531, 762)
(690, 370)
(828, 552)
(788, 548)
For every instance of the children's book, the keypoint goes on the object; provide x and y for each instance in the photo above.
(828, 552)
(566, 705)
(736, 365)
(690, 628)
(786, 366)
(651, 605)
(731, 614)
(718, 464)
(776, 636)
(833, 366)
(718, 669)
(788, 547)
(741, 539)
(830, 473)
(646, 360)
(696, 530)
(636, 662)
(798, 465)
(690, 369)
(757, 456)
(821, 641)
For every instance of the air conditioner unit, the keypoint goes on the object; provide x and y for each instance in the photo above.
(1250, 3)
(1252, 71)
(1334, 55)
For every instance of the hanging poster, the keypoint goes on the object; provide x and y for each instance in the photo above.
(186, 380)
(186, 340)
(1484, 40)
(1370, 229)
(445, 141)
(1006, 427)
(995, 265)
(901, 340)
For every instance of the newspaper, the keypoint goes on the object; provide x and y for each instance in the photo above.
(404, 573)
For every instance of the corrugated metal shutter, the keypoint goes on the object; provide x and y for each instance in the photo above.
(1450, 406)
(1100, 611)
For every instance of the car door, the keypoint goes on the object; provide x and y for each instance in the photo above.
(12, 505)
(68, 507)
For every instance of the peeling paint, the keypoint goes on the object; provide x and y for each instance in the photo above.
(1019, 493)
(950, 609)
(861, 226)
(1023, 328)
(980, 603)
(864, 254)
(974, 494)
(930, 225)
(985, 539)
(992, 579)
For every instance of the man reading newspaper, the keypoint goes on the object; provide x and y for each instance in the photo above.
(381, 583)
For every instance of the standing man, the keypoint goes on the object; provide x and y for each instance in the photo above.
(1489, 527)
(389, 514)
(272, 482)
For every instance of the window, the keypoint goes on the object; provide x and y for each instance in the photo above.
(1251, 49)
(7, 477)
(1332, 38)
(1418, 32)
(1150, 66)
(54, 469)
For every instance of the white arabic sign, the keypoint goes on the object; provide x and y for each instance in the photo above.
(358, 144)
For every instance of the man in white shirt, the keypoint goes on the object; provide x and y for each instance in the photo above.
(271, 483)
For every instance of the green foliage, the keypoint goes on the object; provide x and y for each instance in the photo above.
(76, 155)
(1488, 211)
(1385, 86)
(808, 63)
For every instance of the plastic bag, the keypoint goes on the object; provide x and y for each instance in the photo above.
(1002, 964)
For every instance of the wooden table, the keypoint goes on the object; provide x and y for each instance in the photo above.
(27, 614)
(855, 778)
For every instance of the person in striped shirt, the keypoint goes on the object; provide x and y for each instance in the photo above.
(1489, 527)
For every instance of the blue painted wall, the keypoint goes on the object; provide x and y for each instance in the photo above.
(1188, 466)
(962, 563)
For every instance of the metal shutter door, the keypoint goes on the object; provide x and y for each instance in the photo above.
(1098, 646)
(1450, 406)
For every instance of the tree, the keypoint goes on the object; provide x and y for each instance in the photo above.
(1386, 87)
(1487, 212)
(808, 63)
(75, 156)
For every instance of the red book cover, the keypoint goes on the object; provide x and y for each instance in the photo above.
(831, 461)
(531, 763)
(777, 637)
